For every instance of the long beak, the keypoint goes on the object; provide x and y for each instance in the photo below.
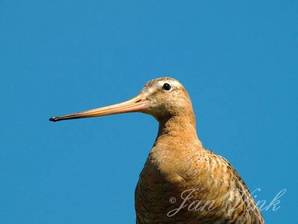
(136, 104)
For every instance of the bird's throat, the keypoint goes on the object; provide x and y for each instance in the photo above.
(179, 128)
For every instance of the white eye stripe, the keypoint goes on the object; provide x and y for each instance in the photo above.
(157, 85)
(173, 83)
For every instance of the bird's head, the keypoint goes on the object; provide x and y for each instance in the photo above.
(162, 98)
(166, 97)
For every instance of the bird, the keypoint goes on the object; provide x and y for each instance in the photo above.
(181, 181)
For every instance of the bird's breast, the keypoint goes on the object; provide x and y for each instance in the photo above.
(193, 187)
(165, 176)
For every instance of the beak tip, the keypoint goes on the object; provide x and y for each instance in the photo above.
(53, 119)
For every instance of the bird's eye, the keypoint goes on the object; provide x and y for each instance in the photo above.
(166, 86)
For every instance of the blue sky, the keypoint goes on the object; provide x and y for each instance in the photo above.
(238, 60)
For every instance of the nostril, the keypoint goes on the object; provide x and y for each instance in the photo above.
(139, 100)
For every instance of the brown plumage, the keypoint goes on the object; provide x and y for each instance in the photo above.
(181, 182)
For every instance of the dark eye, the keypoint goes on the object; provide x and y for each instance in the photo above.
(166, 86)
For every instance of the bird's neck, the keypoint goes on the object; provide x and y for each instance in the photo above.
(175, 144)
(178, 129)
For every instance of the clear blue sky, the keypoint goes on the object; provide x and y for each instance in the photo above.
(238, 60)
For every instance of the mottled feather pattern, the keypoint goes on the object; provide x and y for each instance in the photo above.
(215, 179)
